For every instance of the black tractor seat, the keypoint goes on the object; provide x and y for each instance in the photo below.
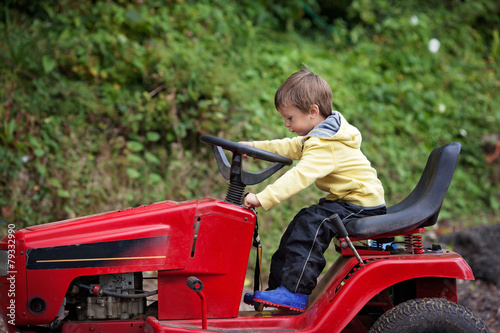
(421, 208)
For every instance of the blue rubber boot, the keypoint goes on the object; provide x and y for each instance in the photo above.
(248, 299)
(282, 298)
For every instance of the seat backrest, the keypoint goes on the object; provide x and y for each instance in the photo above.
(420, 208)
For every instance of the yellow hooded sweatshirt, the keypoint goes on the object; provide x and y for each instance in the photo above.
(330, 157)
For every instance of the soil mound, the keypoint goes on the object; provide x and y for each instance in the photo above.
(479, 247)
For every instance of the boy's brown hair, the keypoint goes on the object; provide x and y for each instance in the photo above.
(302, 90)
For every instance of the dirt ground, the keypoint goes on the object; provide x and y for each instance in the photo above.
(479, 247)
(483, 299)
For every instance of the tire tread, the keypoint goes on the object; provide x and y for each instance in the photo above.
(404, 312)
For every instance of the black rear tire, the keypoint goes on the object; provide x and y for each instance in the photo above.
(428, 315)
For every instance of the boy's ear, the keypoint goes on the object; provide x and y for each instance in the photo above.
(314, 111)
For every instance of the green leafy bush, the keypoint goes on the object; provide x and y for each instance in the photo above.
(104, 101)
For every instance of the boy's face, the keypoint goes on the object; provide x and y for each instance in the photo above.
(299, 122)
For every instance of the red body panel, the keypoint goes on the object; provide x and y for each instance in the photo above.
(219, 260)
(157, 237)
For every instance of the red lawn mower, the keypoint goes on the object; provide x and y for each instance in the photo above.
(87, 274)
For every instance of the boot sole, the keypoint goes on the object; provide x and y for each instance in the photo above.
(279, 306)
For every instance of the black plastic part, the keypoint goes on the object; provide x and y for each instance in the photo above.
(235, 193)
(222, 162)
(247, 178)
(238, 178)
(247, 150)
(37, 305)
(194, 283)
(436, 248)
(337, 223)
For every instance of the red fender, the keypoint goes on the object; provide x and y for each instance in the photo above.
(351, 286)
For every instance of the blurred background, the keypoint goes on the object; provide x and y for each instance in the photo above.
(103, 102)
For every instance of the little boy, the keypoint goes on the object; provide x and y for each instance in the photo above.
(328, 148)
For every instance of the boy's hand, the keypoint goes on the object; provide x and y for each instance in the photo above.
(251, 201)
(246, 143)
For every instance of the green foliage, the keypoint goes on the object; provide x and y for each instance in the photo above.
(104, 101)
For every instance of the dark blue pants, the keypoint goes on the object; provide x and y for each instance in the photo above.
(299, 259)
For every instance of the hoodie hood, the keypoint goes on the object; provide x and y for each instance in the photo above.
(336, 128)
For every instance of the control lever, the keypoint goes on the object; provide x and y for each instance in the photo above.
(196, 285)
(337, 223)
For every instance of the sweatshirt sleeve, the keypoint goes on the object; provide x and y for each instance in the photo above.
(317, 161)
(289, 147)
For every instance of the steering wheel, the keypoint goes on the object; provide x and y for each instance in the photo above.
(239, 178)
(241, 149)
